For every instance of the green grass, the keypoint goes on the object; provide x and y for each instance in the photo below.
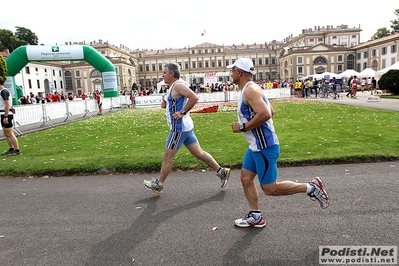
(133, 140)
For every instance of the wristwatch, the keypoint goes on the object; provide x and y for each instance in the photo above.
(242, 127)
(183, 112)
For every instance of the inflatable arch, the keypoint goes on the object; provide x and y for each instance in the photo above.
(24, 54)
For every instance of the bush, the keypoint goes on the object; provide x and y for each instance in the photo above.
(390, 81)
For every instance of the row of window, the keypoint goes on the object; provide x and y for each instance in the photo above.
(27, 71)
(206, 64)
(394, 49)
(38, 85)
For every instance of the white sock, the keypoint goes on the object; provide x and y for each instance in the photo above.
(309, 188)
(256, 214)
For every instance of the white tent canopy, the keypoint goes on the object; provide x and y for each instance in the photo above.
(385, 70)
(349, 72)
(367, 73)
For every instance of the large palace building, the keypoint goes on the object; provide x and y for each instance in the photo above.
(313, 51)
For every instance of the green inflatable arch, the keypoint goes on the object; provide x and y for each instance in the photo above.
(20, 57)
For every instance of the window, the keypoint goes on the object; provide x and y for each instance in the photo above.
(393, 60)
(219, 63)
(192, 51)
(334, 37)
(300, 70)
(350, 61)
(267, 61)
(394, 48)
(365, 54)
(373, 52)
(141, 68)
(199, 51)
(77, 73)
(358, 56)
(27, 70)
(200, 64)
(153, 67)
(300, 60)
(311, 40)
(354, 36)
(273, 61)
(55, 84)
(364, 65)
(36, 69)
(160, 67)
(194, 65)
(260, 61)
(53, 72)
(320, 39)
(206, 51)
(96, 73)
(29, 84)
(61, 84)
(38, 84)
(68, 79)
(213, 64)
(186, 65)
(227, 62)
(206, 63)
(340, 58)
(383, 50)
(78, 83)
(213, 50)
(45, 70)
(320, 60)
(340, 68)
(147, 68)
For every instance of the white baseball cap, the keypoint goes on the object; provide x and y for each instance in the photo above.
(245, 64)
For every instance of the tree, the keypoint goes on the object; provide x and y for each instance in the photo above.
(381, 32)
(3, 67)
(390, 81)
(26, 35)
(11, 41)
(134, 86)
(395, 23)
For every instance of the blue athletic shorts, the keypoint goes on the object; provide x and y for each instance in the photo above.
(176, 139)
(263, 163)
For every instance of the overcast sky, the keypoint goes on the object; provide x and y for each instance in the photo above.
(159, 24)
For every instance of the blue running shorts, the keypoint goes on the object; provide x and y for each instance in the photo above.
(263, 163)
(176, 139)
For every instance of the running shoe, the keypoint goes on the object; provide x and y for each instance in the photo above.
(224, 177)
(7, 152)
(14, 153)
(153, 185)
(250, 221)
(319, 193)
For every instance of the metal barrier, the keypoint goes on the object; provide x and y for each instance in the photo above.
(45, 112)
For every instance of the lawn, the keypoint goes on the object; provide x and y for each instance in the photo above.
(132, 140)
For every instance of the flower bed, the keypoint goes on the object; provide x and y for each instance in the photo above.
(214, 107)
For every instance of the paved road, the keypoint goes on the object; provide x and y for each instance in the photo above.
(112, 220)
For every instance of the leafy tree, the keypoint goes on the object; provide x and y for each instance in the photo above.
(390, 81)
(26, 35)
(134, 86)
(3, 67)
(381, 32)
(11, 41)
(395, 23)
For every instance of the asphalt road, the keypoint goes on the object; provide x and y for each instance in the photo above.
(114, 220)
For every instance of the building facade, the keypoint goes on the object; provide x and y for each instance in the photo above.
(314, 51)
